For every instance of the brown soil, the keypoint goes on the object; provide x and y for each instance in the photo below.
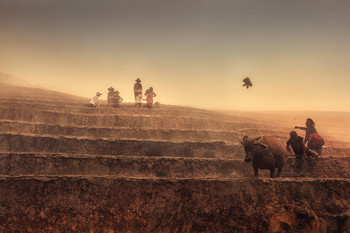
(65, 167)
(12, 164)
(113, 120)
(89, 204)
(59, 144)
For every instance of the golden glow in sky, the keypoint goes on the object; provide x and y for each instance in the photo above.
(195, 53)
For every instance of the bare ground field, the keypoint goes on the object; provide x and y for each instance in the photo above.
(66, 167)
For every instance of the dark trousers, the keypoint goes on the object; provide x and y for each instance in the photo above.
(299, 163)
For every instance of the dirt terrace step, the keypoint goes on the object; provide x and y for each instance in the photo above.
(118, 132)
(233, 136)
(73, 145)
(14, 142)
(125, 109)
(84, 204)
(229, 137)
(14, 164)
(49, 117)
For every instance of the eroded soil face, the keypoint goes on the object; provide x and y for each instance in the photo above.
(66, 167)
(80, 204)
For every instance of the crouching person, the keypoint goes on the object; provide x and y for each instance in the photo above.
(315, 143)
(299, 149)
(94, 100)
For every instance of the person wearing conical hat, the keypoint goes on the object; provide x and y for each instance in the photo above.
(94, 100)
(137, 86)
(110, 95)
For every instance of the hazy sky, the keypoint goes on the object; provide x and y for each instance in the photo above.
(193, 52)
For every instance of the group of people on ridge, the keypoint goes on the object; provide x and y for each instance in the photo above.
(149, 93)
(313, 148)
(115, 99)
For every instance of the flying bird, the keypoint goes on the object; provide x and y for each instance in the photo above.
(247, 82)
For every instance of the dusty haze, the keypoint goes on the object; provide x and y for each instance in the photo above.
(193, 53)
(333, 125)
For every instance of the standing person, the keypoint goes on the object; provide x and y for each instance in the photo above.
(149, 97)
(138, 99)
(137, 86)
(313, 140)
(116, 99)
(110, 95)
(298, 146)
(94, 100)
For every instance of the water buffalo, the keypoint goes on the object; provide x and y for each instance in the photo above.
(265, 153)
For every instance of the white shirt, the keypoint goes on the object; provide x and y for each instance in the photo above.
(94, 101)
(139, 98)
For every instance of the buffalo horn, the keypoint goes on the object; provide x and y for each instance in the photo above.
(244, 140)
(258, 140)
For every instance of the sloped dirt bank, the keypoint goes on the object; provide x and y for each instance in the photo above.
(170, 122)
(119, 132)
(230, 137)
(329, 167)
(81, 204)
(125, 109)
(13, 164)
(72, 145)
(30, 93)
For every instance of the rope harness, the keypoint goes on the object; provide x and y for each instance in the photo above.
(266, 148)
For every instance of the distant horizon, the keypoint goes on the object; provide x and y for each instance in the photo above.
(29, 85)
(193, 53)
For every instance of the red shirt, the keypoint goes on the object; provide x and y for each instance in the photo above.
(149, 98)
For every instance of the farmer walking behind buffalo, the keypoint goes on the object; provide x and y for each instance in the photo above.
(137, 86)
(312, 138)
(298, 146)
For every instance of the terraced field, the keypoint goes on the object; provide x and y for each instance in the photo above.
(66, 167)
